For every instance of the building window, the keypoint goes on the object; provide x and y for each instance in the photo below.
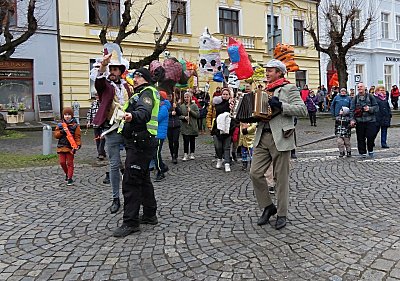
(360, 71)
(397, 27)
(229, 22)
(105, 12)
(16, 84)
(11, 13)
(301, 78)
(388, 76)
(357, 25)
(180, 24)
(298, 33)
(269, 24)
(385, 25)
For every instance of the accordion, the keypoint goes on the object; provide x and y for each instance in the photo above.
(253, 107)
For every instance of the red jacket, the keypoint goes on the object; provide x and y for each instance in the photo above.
(304, 94)
(394, 93)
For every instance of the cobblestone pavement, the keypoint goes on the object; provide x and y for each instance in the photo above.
(343, 220)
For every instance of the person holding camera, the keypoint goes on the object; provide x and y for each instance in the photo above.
(362, 113)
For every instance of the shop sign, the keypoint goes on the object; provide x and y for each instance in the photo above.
(393, 59)
(15, 74)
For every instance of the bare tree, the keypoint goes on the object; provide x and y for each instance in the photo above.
(344, 27)
(7, 11)
(124, 31)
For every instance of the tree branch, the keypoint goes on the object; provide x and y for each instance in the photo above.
(158, 48)
(126, 18)
(360, 38)
(7, 49)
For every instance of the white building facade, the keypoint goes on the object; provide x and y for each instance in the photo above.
(377, 60)
(32, 72)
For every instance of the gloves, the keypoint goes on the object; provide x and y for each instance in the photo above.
(275, 103)
(60, 127)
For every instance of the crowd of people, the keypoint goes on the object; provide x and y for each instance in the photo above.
(139, 117)
(368, 111)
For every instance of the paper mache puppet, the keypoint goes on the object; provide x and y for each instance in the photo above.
(209, 53)
(240, 62)
(285, 53)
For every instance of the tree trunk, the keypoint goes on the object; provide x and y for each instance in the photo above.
(341, 68)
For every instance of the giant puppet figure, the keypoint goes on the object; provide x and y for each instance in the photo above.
(209, 53)
(285, 53)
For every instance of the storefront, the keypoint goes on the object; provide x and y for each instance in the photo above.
(16, 85)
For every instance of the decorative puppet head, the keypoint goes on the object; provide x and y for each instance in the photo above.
(240, 62)
(209, 53)
(285, 53)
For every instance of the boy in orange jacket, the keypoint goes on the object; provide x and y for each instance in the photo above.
(68, 133)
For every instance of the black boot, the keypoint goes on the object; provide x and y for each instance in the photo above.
(341, 154)
(234, 158)
(148, 220)
(125, 230)
(159, 177)
(107, 178)
(348, 153)
(244, 167)
(165, 169)
(280, 222)
(115, 206)
(268, 212)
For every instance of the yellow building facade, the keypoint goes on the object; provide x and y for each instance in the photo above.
(246, 19)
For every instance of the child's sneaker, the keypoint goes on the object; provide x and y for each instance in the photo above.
(348, 153)
(227, 167)
(341, 154)
(70, 182)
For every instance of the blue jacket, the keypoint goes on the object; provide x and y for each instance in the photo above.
(384, 115)
(338, 102)
(163, 119)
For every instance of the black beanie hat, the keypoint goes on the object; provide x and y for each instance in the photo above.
(145, 73)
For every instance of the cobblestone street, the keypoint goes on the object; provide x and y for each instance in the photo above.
(343, 219)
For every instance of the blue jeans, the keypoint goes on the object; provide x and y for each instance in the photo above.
(384, 131)
(113, 142)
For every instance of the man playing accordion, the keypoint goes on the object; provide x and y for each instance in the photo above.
(273, 142)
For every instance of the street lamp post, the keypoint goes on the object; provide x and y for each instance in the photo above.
(156, 34)
(272, 28)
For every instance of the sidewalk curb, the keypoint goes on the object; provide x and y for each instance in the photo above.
(333, 136)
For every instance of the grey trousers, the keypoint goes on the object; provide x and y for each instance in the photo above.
(265, 154)
(343, 143)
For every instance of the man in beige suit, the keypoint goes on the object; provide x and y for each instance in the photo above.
(273, 142)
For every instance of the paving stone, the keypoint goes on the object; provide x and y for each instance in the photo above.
(340, 225)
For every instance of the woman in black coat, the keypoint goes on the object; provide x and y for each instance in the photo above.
(383, 116)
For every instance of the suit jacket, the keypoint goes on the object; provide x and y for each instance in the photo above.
(292, 105)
